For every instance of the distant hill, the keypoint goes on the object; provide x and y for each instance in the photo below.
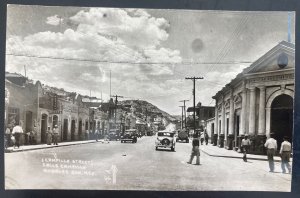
(143, 108)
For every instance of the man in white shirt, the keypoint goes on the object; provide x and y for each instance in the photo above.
(17, 132)
(245, 147)
(271, 145)
(285, 153)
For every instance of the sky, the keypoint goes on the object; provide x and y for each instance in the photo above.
(142, 53)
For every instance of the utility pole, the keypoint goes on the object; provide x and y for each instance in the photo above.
(184, 111)
(194, 93)
(116, 105)
(181, 117)
(25, 70)
(110, 82)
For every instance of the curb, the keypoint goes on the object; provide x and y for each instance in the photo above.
(236, 157)
(54, 146)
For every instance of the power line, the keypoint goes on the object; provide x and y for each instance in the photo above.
(125, 62)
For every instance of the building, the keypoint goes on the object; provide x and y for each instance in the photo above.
(258, 101)
(21, 105)
(203, 113)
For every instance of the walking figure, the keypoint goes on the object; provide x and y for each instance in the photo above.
(195, 150)
(285, 153)
(271, 145)
(245, 147)
(206, 138)
(96, 135)
(202, 138)
(17, 132)
(55, 135)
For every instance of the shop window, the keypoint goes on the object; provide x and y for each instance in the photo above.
(13, 116)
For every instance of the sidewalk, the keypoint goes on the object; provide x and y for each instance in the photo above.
(215, 151)
(45, 146)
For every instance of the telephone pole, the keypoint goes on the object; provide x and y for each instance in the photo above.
(184, 111)
(194, 93)
(116, 101)
(181, 117)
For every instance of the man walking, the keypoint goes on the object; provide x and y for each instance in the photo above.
(17, 132)
(285, 153)
(206, 137)
(55, 135)
(195, 150)
(245, 147)
(271, 145)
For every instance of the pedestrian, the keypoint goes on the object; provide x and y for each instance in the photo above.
(206, 137)
(195, 150)
(245, 147)
(13, 141)
(285, 153)
(7, 137)
(87, 134)
(202, 138)
(96, 135)
(55, 135)
(49, 136)
(271, 145)
(17, 132)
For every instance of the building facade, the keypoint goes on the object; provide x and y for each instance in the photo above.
(258, 101)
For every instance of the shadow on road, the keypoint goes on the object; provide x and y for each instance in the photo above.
(165, 150)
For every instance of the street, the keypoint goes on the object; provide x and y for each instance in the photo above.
(127, 166)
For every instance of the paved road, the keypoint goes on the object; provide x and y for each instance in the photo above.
(127, 166)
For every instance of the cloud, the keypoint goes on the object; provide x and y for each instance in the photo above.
(53, 20)
(102, 38)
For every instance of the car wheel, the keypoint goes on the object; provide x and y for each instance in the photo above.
(156, 148)
(187, 141)
(172, 149)
(121, 141)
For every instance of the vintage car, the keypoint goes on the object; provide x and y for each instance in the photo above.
(113, 134)
(129, 136)
(165, 139)
(182, 136)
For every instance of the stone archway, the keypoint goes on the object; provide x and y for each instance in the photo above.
(279, 114)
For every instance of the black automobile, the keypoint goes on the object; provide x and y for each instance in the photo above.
(129, 136)
(113, 135)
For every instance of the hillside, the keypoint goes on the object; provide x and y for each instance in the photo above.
(143, 108)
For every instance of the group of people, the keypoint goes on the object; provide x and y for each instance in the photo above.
(52, 135)
(271, 146)
(89, 135)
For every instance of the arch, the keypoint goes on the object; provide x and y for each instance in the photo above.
(278, 93)
(269, 104)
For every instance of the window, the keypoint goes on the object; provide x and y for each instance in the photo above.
(13, 116)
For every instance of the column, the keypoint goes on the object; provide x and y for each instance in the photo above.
(262, 114)
(243, 118)
(252, 112)
(221, 136)
(262, 120)
(215, 138)
(243, 113)
(231, 123)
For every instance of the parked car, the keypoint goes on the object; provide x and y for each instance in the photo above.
(165, 139)
(113, 135)
(182, 136)
(129, 135)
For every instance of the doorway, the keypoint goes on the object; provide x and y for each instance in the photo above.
(72, 130)
(44, 128)
(282, 118)
(65, 130)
